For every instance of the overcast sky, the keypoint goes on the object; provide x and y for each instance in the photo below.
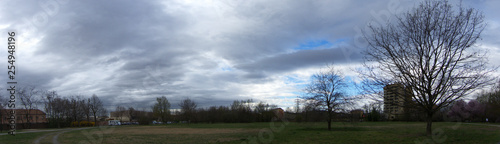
(130, 52)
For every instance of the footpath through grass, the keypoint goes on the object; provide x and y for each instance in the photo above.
(237, 133)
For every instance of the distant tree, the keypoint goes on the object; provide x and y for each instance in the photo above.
(55, 108)
(95, 105)
(3, 106)
(213, 115)
(242, 111)
(261, 107)
(429, 50)
(30, 98)
(60, 111)
(103, 113)
(120, 112)
(458, 111)
(491, 101)
(463, 111)
(132, 113)
(310, 110)
(144, 117)
(162, 108)
(49, 96)
(476, 110)
(325, 90)
(373, 112)
(188, 109)
(76, 108)
(263, 111)
(85, 107)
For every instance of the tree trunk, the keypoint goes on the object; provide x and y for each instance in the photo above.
(329, 124)
(329, 120)
(429, 124)
(95, 120)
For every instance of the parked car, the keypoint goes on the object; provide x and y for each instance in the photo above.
(157, 122)
(114, 122)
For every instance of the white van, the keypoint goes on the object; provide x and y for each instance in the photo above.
(114, 122)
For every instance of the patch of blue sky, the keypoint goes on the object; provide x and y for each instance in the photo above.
(284, 97)
(226, 69)
(300, 93)
(318, 44)
(290, 79)
(299, 84)
(349, 90)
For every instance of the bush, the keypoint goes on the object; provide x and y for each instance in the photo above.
(82, 124)
(74, 124)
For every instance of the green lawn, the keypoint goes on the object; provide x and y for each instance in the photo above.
(364, 132)
(20, 138)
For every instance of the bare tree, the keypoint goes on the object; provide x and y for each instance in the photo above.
(131, 113)
(95, 106)
(3, 109)
(310, 107)
(429, 50)
(188, 109)
(85, 107)
(49, 96)
(30, 98)
(325, 89)
(120, 111)
(162, 108)
(261, 107)
(491, 98)
(241, 111)
(52, 107)
(76, 108)
(58, 108)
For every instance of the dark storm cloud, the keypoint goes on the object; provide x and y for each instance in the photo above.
(214, 52)
(94, 28)
(296, 60)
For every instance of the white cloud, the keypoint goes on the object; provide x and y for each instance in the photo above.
(212, 51)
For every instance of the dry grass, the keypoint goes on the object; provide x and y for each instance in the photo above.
(365, 132)
(157, 130)
(159, 134)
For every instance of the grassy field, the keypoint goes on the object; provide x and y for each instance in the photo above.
(364, 132)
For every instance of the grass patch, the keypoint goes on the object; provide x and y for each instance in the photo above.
(236, 133)
(389, 132)
(20, 138)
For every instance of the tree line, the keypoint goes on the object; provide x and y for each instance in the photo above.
(60, 111)
(240, 111)
(485, 107)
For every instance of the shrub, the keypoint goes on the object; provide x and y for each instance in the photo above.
(74, 124)
(82, 124)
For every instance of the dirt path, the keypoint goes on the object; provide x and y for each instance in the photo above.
(33, 131)
(56, 136)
